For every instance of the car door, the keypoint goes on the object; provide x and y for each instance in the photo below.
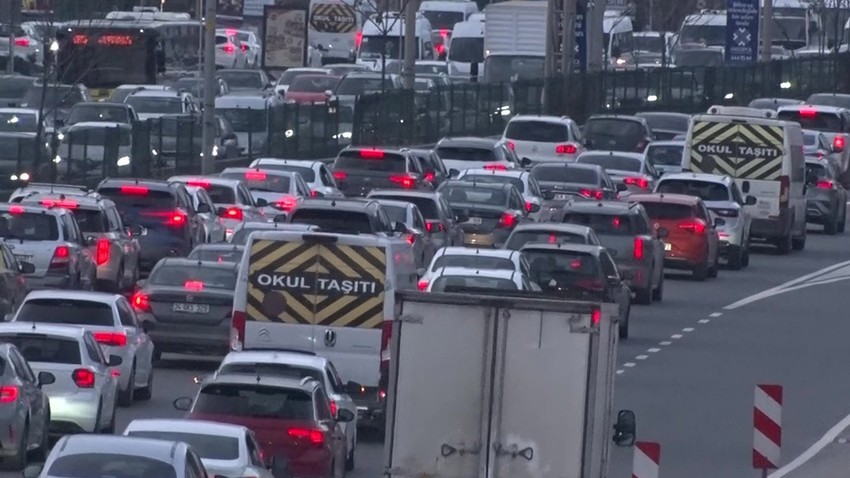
(702, 213)
(103, 373)
(128, 244)
(184, 202)
(454, 235)
(418, 223)
(323, 416)
(137, 338)
(618, 290)
(215, 228)
(744, 215)
(85, 264)
(31, 394)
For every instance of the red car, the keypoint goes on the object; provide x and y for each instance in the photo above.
(292, 419)
(311, 89)
(687, 229)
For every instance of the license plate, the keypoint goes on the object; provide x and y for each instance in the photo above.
(191, 308)
(668, 246)
(22, 258)
(474, 220)
(562, 197)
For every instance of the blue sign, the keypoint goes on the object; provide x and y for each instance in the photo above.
(742, 31)
(580, 56)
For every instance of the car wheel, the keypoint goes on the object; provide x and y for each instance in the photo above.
(658, 293)
(842, 220)
(120, 280)
(783, 245)
(643, 296)
(831, 226)
(109, 429)
(623, 331)
(349, 460)
(18, 461)
(125, 397)
(146, 392)
(745, 259)
(40, 453)
(736, 258)
(799, 243)
(713, 270)
(700, 272)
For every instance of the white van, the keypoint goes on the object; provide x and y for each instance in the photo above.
(334, 25)
(444, 14)
(765, 157)
(384, 38)
(617, 38)
(707, 28)
(467, 45)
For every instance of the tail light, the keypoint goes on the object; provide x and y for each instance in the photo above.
(407, 182)
(638, 249)
(422, 285)
(340, 175)
(62, 204)
(838, 143)
(176, 219)
(358, 38)
(61, 258)
(232, 213)
(372, 153)
(511, 145)
(334, 407)
(256, 176)
(495, 167)
(639, 182)
(784, 187)
(141, 302)
(111, 339)
(725, 212)
(386, 335)
(808, 113)
(193, 285)
(237, 330)
(695, 226)
(507, 220)
(229, 49)
(434, 226)
(15, 210)
(244, 47)
(592, 194)
(382, 394)
(83, 377)
(22, 41)
(314, 193)
(596, 317)
(8, 394)
(825, 184)
(430, 176)
(199, 183)
(287, 203)
(529, 206)
(315, 436)
(440, 48)
(568, 148)
(132, 190)
(411, 239)
(640, 146)
(102, 254)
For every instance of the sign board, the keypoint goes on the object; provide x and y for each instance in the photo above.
(229, 8)
(333, 17)
(254, 8)
(580, 55)
(742, 31)
(285, 36)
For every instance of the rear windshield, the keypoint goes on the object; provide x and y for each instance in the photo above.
(41, 348)
(240, 237)
(66, 311)
(91, 220)
(29, 226)
(12, 87)
(665, 155)
(217, 255)
(396, 213)
(521, 238)
(140, 206)
(262, 183)
(210, 447)
(612, 162)
(473, 195)
(496, 179)
(613, 128)
(467, 154)
(443, 20)
(817, 121)
(390, 163)
(603, 223)
(462, 284)
(254, 401)
(810, 139)
(564, 174)
(427, 206)
(113, 465)
(556, 271)
(272, 369)
(18, 122)
(667, 122)
(179, 275)
(841, 101)
(539, 131)
(474, 262)
(662, 211)
(307, 173)
(337, 221)
(221, 194)
(818, 171)
(707, 191)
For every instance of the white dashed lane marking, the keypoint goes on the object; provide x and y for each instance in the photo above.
(653, 350)
(642, 357)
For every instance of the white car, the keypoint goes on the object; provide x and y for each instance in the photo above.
(250, 45)
(544, 139)
(467, 257)
(229, 52)
(521, 180)
(225, 449)
(158, 103)
(85, 147)
(233, 201)
(113, 324)
(462, 279)
(83, 397)
(287, 77)
(274, 192)
(27, 44)
(316, 174)
(299, 365)
(214, 230)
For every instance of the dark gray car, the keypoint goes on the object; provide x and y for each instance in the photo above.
(440, 221)
(826, 198)
(24, 410)
(560, 183)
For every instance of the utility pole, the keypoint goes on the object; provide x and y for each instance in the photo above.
(766, 30)
(10, 14)
(408, 76)
(595, 15)
(568, 36)
(209, 88)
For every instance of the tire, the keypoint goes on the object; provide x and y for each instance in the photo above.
(843, 220)
(745, 258)
(125, 397)
(700, 272)
(40, 453)
(623, 331)
(19, 461)
(831, 227)
(713, 270)
(110, 428)
(799, 243)
(736, 258)
(643, 296)
(119, 282)
(349, 460)
(783, 245)
(658, 293)
(146, 392)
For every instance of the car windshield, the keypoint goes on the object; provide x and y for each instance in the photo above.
(443, 20)
(506, 68)
(464, 283)
(369, 161)
(816, 171)
(496, 179)
(217, 254)
(466, 49)
(221, 194)
(564, 174)
(288, 76)
(649, 43)
(99, 136)
(260, 182)
(245, 120)
(314, 84)
(705, 190)
(112, 465)
(668, 122)
(814, 120)
(306, 173)
(613, 134)
(140, 206)
(99, 112)
(90, 220)
(612, 162)
(606, 224)
(665, 154)
(459, 153)
(667, 211)
(538, 131)
(427, 206)
(43, 348)
(155, 104)
(377, 45)
(358, 85)
(28, 226)
(840, 101)
(242, 79)
(179, 275)
(457, 195)
(520, 238)
(15, 87)
(18, 122)
(254, 401)
(66, 311)
(474, 261)
(271, 369)
(209, 447)
(332, 220)
(558, 271)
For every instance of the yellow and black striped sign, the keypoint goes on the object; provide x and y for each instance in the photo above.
(309, 283)
(333, 18)
(740, 150)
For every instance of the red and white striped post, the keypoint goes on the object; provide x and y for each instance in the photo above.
(767, 424)
(646, 459)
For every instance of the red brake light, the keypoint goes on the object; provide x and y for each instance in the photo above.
(372, 154)
(62, 252)
(507, 220)
(83, 377)
(193, 285)
(784, 187)
(237, 330)
(228, 48)
(838, 143)
(444, 32)
(244, 47)
(511, 145)
(111, 339)
(199, 183)
(695, 226)
(103, 248)
(382, 394)
(314, 193)
(287, 203)
(334, 408)
(592, 194)
(422, 285)
(429, 176)
(434, 226)
(358, 38)
(60, 258)
(63, 204)
(568, 148)
(314, 436)
(255, 175)
(639, 182)
(340, 175)
(495, 167)
(230, 32)
(177, 218)
(134, 190)
(16, 210)
(595, 317)
(808, 113)
(528, 206)
(8, 394)
(407, 182)
(140, 302)
(440, 48)
(825, 184)
(232, 213)
(22, 41)
(386, 335)
(638, 251)
(411, 239)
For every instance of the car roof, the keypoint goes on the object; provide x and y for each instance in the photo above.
(461, 182)
(268, 172)
(347, 204)
(304, 163)
(99, 124)
(621, 154)
(298, 359)
(601, 207)
(163, 450)
(182, 261)
(713, 178)
(595, 167)
(101, 297)
(394, 203)
(664, 197)
(468, 271)
(201, 427)
(470, 251)
(375, 193)
(212, 180)
(219, 246)
(511, 173)
(554, 227)
(251, 379)
(818, 108)
(39, 328)
(543, 118)
(583, 248)
(165, 93)
(470, 142)
(30, 208)
(636, 119)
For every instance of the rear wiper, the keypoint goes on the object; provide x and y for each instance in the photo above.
(13, 237)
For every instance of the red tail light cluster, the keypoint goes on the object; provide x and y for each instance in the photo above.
(229, 49)
(568, 148)
(784, 187)
(61, 258)
(176, 219)
(638, 249)
(592, 194)
(838, 143)
(111, 339)
(340, 175)
(495, 167)
(511, 145)
(22, 42)
(312, 435)
(596, 317)
(529, 206)
(232, 213)
(639, 182)
(695, 226)
(193, 285)
(141, 302)
(83, 378)
(825, 184)
(422, 285)
(434, 226)
(237, 330)
(507, 220)
(407, 182)
(8, 394)
(287, 203)
(102, 253)
(372, 154)
(132, 190)
(15, 210)
(430, 176)
(386, 335)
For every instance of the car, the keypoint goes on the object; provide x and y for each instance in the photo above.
(724, 199)
(24, 120)
(772, 103)
(358, 170)
(665, 156)
(458, 154)
(316, 174)
(434, 171)
(359, 83)
(291, 74)
(50, 240)
(617, 133)
(194, 85)
(250, 45)
(113, 246)
(91, 111)
(245, 80)
(440, 220)
(247, 114)
(224, 449)
(228, 50)
(691, 241)
(55, 99)
(284, 363)
(22, 158)
(84, 395)
(309, 89)
(160, 212)
(464, 279)
(342, 69)
(31, 188)
(121, 93)
(189, 301)
(93, 149)
(631, 240)
(13, 88)
(274, 192)
(24, 410)
(178, 140)
(550, 233)
(560, 183)
(665, 125)
(833, 121)
(223, 252)
(206, 211)
(580, 272)
(27, 45)
(521, 180)
(839, 100)
(13, 282)
(313, 444)
(232, 200)
(487, 213)
(826, 198)
(90, 455)
(473, 258)
(543, 139)
(113, 324)
(816, 145)
(403, 212)
(243, 231)
(633, 170)
(157, 103)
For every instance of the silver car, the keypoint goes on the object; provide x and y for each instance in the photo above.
(224, 449)
(86, 150)
(225, 252)
(274, 192)
(316, 174)
(113, 324)
(214, 230)
(24, 410)
(82, 399)
(233, 202)
(630, 169)
(408, 214)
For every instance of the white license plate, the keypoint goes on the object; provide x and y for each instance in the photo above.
(474, 220)
(24, 258)
(563, 197)
(668, 246)
(191, 308)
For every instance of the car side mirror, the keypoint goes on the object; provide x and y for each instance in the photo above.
(750, 201)
(719, 221)
(453, 173)
(548, 195)
(344, 415)
(399, 227)
(91, 240)
(260, 202)
(353, 388)
(26, 268)
(625, 430)
(183, 404)
(663, 232)
(621, 187)
(46, 378)
(136, 230)
(525, 162)
(204, 209)
(534, 208)
(32, 471)
(115, 360)
(148, 326)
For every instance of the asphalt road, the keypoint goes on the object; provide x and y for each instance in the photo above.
(689, 368)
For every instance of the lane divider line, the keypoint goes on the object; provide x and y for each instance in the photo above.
(629, 364)
(813, 450)
(704, 321)
(665, 342)
(786, 287)
(715, 314)
(620, 372)
(676, 336)
(688, 329)
(653, 350)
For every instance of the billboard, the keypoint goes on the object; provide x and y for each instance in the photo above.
(742, 31)
(285, 36)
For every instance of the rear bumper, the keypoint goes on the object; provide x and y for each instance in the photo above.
(49, 281)
(190, 338)
(820, 210)
(636, 276)
(75, 413)
(772, 228)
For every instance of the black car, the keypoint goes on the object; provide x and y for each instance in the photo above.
(486, 213)
(13, 88)
(58, 99)
(617, 133)
(666, 125)
(359, 170)
(561, 183)
(826, 198)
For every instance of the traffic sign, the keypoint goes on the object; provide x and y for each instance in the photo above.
(767, 425)
(742, 31)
